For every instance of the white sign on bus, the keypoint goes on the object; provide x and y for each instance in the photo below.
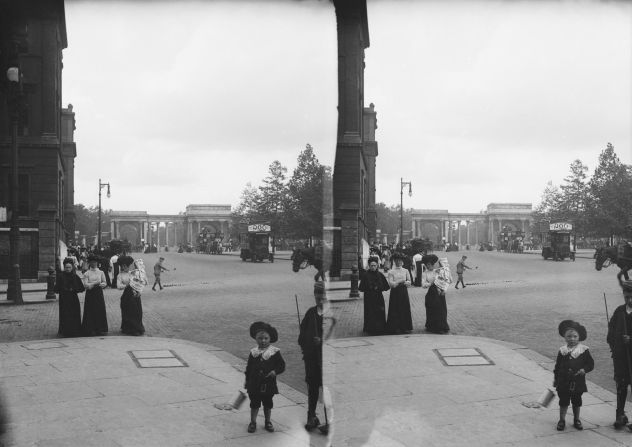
(560, 226)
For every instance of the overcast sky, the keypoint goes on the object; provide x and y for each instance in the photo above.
(477, 102)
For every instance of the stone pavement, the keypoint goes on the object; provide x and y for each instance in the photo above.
(135, 391)
(407, 390)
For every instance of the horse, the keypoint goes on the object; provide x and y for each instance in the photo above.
(620, 255)
(304, 257)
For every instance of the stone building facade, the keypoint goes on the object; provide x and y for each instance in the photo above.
(139, 227)
(33, 35)
(472, 228)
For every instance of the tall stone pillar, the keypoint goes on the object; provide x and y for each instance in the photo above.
(112, 230)
(458, 230)
(467, 229)
(352, 38)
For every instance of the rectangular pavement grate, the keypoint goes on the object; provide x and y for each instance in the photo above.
(152, 354)
(462, 357)
(45, 345)
(160, 358)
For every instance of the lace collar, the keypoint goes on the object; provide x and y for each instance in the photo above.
(575, 352)
(264, 353)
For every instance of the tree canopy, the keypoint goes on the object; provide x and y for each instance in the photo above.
(600, 206)
(294, 206)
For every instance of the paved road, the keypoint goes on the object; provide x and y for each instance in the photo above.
(213, 299)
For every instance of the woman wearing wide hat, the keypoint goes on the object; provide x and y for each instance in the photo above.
(68, 285)
(373, 284)
(95, 320)
(399, 319)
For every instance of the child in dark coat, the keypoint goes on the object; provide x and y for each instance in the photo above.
(310, 339)
(572, 363)
(264, 364)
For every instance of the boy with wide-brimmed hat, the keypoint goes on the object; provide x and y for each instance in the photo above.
(571, 366)
(264, 364)
(619, 332)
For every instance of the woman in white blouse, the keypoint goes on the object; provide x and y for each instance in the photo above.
(399, 318)
(95, 320)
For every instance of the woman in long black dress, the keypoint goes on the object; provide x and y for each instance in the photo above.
(95, 321)
(373, 284)
(131, 305)
(68, 285)
(436, 308)
(399, 318)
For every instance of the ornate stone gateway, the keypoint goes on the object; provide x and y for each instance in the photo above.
(471, 228)
(170, 230)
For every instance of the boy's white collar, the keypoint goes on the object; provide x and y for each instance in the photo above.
(575, 351)
(265, 353)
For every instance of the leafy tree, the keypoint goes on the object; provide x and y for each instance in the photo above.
(245, 209)
(389, 218)
(574, 196)
(86, 219)
(271, 201)
(611, 194)
(304, 210)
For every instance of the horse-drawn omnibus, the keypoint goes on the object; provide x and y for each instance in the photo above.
(510, 240)
(556, 240)
(256, 242)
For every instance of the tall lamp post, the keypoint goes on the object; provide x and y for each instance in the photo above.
(14, 286)
(101, 185)
(401, 208)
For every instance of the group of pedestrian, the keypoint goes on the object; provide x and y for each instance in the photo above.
(106, 261)
(70, 282)
(433, 275)
(265, 363)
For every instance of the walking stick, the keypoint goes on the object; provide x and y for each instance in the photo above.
(297, 312)
(606, 303)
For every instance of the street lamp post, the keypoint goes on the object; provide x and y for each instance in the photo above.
(401, 208)
(101, 185)
(14, 285)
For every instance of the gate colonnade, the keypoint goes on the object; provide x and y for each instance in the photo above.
(471, 228)
(139, 227)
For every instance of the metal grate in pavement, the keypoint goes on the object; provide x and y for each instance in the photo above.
(44, 345)
(157, 358)
(462, 357)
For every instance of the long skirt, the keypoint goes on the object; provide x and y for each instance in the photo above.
(69, 314)
(399, 318)
(131, 313)
(418, 275)
(436, 311)
(95, 320)
(374, 314)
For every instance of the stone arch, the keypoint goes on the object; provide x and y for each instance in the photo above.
(129, 231)
(430, 230)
